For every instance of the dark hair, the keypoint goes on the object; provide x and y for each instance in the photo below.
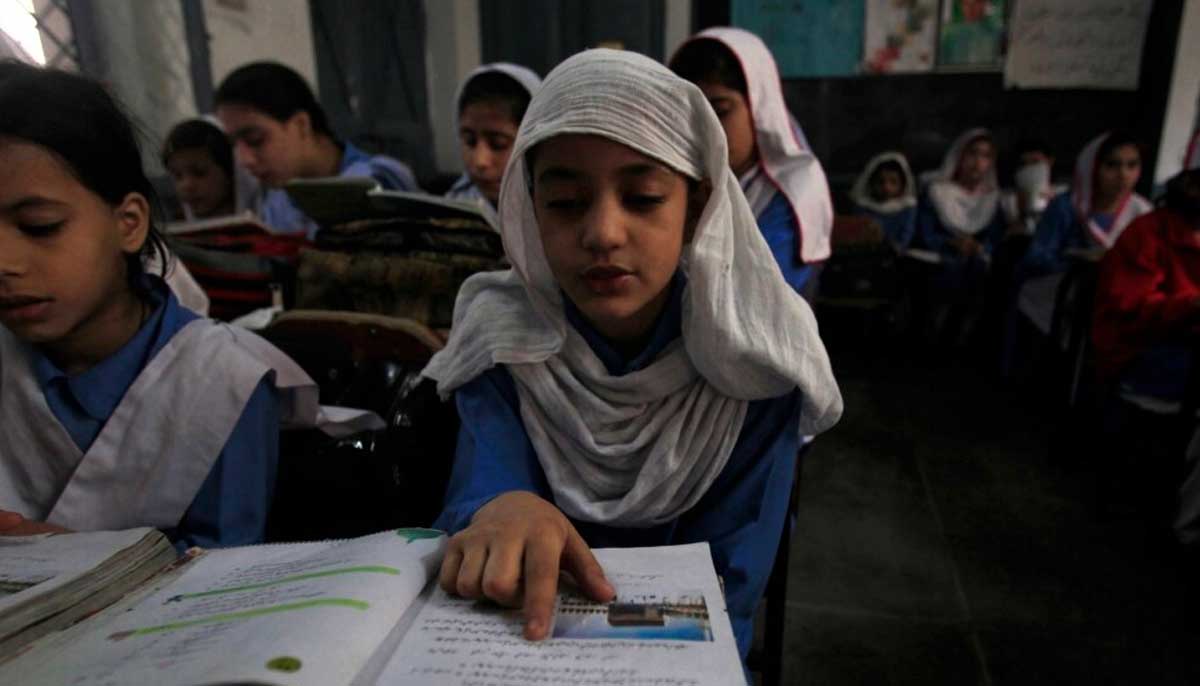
(1032, 144)
(494, 86)
(1117, 139)
(198, 133)
(78, 121)
(276, 91)
(707, 59)
(892, 166)
(1183, 194)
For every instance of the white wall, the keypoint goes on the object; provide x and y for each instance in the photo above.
(451, 52)
(244, 31)
(1184, 97)
(678, 25)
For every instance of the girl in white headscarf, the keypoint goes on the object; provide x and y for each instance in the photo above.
(886, 191)
(490, 105)
(643, 374)
(781, 177)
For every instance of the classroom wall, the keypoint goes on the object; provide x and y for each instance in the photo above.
(848, 120)
(1184, 98)
(242, 31)
(452, 37)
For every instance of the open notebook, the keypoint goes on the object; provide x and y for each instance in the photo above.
(366, 611)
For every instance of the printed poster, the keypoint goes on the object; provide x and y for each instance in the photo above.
(1077, 44)
(972, 34)
(900, 36)
(812, 38)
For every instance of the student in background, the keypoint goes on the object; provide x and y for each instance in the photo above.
(120, 408)
(280, 132)
(959, 217)
(886, 192)
(208, 182)
(491, 103)
(643, 374)
(782, 179)
(1032, 188)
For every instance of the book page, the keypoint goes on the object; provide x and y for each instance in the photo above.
(289, 614)
(32, 565)
(667, 627)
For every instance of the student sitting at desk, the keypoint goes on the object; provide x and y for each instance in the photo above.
(280, 132)
(643, 373)
(200, 160)
(781, 177)
(491, 103)
(119, 407)
(886, 192)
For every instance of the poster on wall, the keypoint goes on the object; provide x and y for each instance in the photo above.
(900, 36)
(972, 34)
(1076, 44)
(809, 39)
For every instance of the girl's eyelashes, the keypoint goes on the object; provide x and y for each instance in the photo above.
(565, 204)
(40, 230)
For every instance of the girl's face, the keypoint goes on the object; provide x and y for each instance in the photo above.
(613, 223)
(976, 163)
(887, 184)
(201, 182)
(62, 249)
(271, 150)
(734, 112)
(1118, 174)
(486, 130)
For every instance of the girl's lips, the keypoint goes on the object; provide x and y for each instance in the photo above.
(608, 280)
(22, 309)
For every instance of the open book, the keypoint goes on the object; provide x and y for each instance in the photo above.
(366, 611)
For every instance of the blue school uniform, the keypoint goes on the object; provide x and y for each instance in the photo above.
(279, 213)
(958, 279)
(1059, 230)
(231, 505)
(777, 223)
(898, 227)
(741, 516)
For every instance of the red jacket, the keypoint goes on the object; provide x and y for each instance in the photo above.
(1148, 291)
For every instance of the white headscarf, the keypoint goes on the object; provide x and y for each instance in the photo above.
(786, 164)
(860, 193)
(960, 210)
(642, 448)
(463, 188)
(1129, 207)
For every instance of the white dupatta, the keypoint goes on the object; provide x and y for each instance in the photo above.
(640, 449)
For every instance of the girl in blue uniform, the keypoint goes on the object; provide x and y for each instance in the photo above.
(643, 374)
(120, 408)
(781, 177)
(280, 132)
(491, 103)
(886, 192)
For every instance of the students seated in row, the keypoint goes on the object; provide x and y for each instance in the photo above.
(491, 103)
(959, 217)
(120, 408)
(1148, 297)
(781, 177)
(886, 192)
(643, 374)
(200, 160)
(280, 132)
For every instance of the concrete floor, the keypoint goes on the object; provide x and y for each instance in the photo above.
(940, 542)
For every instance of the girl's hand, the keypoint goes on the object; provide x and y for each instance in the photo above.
(512, 553)
(13, 524)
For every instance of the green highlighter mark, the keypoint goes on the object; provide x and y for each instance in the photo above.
(418, 534)
(286, 664)
(245, 614)
(376, 569)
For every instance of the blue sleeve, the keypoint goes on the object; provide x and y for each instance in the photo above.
(493, 455)
(778, 227)
(929, 226)
(902, 227)
(742, 516)
(1045, 255)
(993, 233)
(233, 502)
(391, 174)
